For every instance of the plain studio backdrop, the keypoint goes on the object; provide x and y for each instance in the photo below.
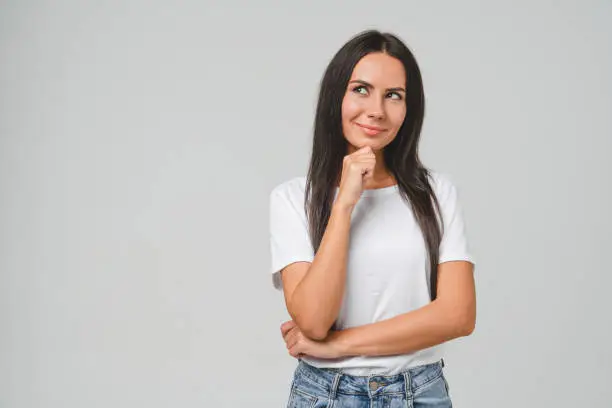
(139, 142)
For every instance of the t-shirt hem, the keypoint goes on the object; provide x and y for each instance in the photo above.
(410, 361)
(456, 257)
(275, 270)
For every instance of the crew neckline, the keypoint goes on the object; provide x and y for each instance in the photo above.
(374, 192)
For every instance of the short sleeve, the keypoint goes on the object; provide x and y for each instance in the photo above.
(454, 245)
(289, 238)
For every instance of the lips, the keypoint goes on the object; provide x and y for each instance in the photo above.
(370, 130)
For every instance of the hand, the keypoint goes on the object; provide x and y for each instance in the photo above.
(299, 345)
(357, 167)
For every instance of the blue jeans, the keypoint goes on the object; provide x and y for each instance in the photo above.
(418, 387)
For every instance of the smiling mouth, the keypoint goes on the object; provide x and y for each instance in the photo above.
(370, 130)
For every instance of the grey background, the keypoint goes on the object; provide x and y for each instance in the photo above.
(139, 142)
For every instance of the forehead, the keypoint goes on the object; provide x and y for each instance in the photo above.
(380, 69)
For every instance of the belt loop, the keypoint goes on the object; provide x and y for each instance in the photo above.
(408, 387)
(442, 363)
(334, 387)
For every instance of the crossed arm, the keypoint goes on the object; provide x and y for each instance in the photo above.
(451, 315)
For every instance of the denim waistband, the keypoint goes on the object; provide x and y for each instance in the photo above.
(330, 381)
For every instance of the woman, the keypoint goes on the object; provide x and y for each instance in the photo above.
(355, 242)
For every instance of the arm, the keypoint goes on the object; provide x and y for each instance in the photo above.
(314, 291)
(451, 315)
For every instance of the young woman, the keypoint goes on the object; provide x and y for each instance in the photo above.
(370, 247)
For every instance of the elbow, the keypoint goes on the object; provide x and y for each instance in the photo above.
(315, 333)
(311, 329)
(468, 327)
(460, 323)
(309, 324)
(464, 325)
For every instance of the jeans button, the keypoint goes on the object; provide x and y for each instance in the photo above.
(373, 386)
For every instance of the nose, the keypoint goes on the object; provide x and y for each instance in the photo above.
(376, 109)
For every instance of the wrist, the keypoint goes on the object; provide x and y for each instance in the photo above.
(337, 340)
(341, 208)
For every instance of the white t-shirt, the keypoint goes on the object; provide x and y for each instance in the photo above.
(387, 267)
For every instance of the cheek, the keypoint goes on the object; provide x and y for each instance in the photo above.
(350, 109)
(397, 115)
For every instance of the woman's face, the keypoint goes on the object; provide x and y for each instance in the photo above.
(373, 108)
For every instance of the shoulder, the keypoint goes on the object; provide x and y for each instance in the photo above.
(292, 190)
(443, 185)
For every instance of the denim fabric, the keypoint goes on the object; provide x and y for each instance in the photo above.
(418, 387)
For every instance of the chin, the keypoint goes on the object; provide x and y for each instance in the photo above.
(373, 141)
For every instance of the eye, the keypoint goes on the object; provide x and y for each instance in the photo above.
(360, 90)
(398, 96)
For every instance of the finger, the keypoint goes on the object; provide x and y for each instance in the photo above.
(295, 351)
(365, 156)
(291, 342)
(287, 337)
(365, 160)
(361, 165)
(357, 155)
(294, 335)
(365, 149)
(286, 326)
(291, 334)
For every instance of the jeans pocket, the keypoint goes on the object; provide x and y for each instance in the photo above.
(299, 399)
(307, 392)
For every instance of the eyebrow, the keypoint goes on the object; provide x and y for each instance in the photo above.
(367, 84)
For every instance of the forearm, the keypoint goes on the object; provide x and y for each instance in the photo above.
(317, 299)
(428, 326)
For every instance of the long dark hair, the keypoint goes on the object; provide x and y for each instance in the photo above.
(401, 155)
